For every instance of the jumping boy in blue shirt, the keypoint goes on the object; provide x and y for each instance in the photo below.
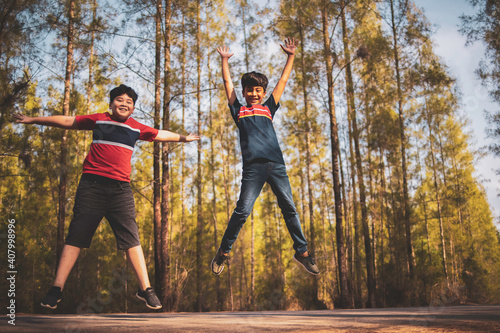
(262, 157)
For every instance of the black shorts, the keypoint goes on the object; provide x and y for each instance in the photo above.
(98, 197)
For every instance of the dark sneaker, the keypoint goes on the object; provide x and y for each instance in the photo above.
(149, 296)
(218, 262)
(53, 297)
(308, 263)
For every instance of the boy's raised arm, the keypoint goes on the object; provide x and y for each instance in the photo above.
(226, 75)
(65, 122)
(289, 48)
(167, 136)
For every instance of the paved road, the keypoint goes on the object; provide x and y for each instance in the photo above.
(426, 319)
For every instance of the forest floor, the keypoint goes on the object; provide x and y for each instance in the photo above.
(424, 319)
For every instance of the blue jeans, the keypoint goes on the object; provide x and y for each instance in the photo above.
(254, 177)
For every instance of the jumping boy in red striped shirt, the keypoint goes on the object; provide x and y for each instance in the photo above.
(104, 189)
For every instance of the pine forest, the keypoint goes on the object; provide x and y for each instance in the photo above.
(377, 147)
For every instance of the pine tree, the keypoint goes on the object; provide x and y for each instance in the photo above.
(359, 168)
(329, 62)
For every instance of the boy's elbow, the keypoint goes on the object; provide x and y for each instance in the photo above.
(282, 82)
(71, 124)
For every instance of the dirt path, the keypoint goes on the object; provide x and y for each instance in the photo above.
(425, 319)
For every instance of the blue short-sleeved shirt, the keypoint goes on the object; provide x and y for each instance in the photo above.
(257, 136)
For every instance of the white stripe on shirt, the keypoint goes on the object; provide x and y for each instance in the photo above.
(114, 123)
(104, 142)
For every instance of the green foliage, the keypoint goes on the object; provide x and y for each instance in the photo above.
(441, 161)
(483, 26)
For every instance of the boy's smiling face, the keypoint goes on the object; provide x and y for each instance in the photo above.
(122, 107)
(254, 95)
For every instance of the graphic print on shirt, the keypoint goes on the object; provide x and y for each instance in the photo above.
(255, 110)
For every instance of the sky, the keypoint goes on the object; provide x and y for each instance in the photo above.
(462, 61)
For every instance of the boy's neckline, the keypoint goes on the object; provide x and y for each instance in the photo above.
(118, 120)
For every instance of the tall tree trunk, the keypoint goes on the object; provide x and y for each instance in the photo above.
(454, 273)
(424, 206)
(427, 231)
(339, 222)
(303, 209)
(156, 151)
(438, 198)
(183, 150)
(90, 83)
(199, 226)
(373, 215)
(226, 180)
(348, 234)
(312, 233)
(231, 295)
(243, 6)
(383, 208)
(459, 191)
(406, 198)
(393, 235)
(356, 239)
(218, 290)
(63, 179)
(325, 214)
(370, 170)
(359, 168)
(166, 294)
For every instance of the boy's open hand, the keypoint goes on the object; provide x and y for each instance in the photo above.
(224, 52)
(290, 46)
(21, 118)
(192, 137)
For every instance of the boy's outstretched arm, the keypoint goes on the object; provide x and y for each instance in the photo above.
(65, 122)
(289, 48)
(226, 75)
(167, 136)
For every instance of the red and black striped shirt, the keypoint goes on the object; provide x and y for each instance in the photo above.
(112, 144)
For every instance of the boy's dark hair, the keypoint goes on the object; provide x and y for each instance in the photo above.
(120, 90)
(254, 79)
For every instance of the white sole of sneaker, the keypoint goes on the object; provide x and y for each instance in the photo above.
(149, 306)
(50, 307)
(212, 265)
(295, 259)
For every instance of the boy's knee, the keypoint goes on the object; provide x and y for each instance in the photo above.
(242, 213)
(244, 207)
(290, 214)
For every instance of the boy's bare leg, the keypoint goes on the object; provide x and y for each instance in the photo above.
(136, 258)
(69, 256)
